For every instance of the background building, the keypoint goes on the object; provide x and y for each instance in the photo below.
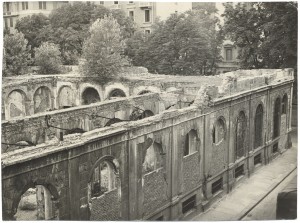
(13, 11)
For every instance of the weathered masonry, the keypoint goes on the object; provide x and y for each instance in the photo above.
(161, 166)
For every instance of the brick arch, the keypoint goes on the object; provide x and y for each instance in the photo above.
(217, 134)
(22, 104)
(42, 99)
(116, 91)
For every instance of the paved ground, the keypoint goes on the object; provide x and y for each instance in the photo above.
(250, 192)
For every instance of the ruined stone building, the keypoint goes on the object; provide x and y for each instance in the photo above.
(148, 147)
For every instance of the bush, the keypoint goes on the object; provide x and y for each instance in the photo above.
(48, 57)
(16, 55)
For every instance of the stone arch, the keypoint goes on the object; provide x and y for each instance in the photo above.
(65, 97)
(50, 200)
(16, 104)
(90, 95)
(104, 183)
(258, 126)
(240, 135)
(219, 130)
(42, 99)
(116, 93)
(276, 118)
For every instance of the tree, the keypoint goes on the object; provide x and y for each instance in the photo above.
(103, 50)
(266, 33)
(31, 27)
(16, 54)
(48, 57)
(183, 44)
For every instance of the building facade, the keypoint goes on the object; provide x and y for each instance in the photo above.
(13, 11)
(179, 144)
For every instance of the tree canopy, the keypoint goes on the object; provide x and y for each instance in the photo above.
(103, 49)
(183, 44)
(266, 33)
(16, 55)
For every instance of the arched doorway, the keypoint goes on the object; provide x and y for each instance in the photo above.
(37, 203)
(42, 99)
(16, 104)
(90, 95)
(116, 93)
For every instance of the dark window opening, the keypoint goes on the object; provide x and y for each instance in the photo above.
(258, 126)
(11, 22)
(147, 31)
(239, 171)
(257, 159)
(186, 146)
(228, 54)
(24, 5)
(101, 2)
(189, 204)
(218, 133)
(89, 96)
(42, 5)
(190, 144)
(116, 2)
(275, 148)
(217, 186)
(147, 15)
(131, 15)
(276, 119)
(144, 92)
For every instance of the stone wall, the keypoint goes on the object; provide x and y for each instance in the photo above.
(65, 168)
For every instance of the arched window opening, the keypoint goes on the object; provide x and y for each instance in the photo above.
(112, 121)
(37, 203)
(66, 97)
(218, 133)
(241, 127)
(42, 99)
(116, 93)
(153, 158)
(104, 179)
(258, 126)
(16, 104)
(190, 143)
(89, 96)
(144, 92)
(284, 104)
(276, 119)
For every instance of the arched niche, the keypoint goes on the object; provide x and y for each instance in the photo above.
(16, 104)
(65, 98)
(42, 100)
